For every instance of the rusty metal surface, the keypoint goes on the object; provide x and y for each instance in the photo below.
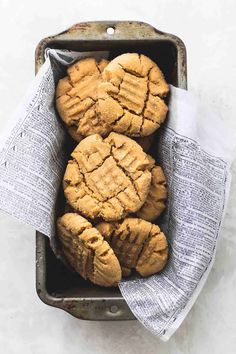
(123, 31)
(54, 284)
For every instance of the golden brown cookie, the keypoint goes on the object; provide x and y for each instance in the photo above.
(107, 178)
(87, 251)
(76, 98)
(138, 244)
(130, 95)
(157, 195)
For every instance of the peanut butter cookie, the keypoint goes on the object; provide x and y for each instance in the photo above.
(157, 195)
(107, 178)
(130, 95)
(138, 244)
(87, 251)
(76, 98)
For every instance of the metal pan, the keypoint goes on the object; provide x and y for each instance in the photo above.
(55, 284)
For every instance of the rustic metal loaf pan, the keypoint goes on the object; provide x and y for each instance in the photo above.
(55, 284)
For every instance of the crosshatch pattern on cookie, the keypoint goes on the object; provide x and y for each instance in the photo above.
(130, 96)
(107, 178)
(137, 243)
(87, 251)
(76, 98)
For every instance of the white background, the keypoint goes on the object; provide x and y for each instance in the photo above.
(27, 326)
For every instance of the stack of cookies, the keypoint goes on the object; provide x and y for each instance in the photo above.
(114, 188)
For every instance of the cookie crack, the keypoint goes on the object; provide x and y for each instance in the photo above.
(72, 250)
(160, 251)
(70, 81)
(162, 183)
(116, 196)
(73, 85)
(146, 101)
(85, 182)
(149, 70)
(113, 233)
(83, 110)
(101, 121)
(130, 126)
(127, 241)
(64, 94)
(160, 95)
(130, 233)
(148, 238)
(126, 109)
(151, 236)
(83, 228)
(129, 71)
(104, 200)
(94, 101)
(119, 118)
(126, 173)
(89, 266)
(147, 97)
(99, 165)
(142, 113)
(116, 96)
(97, 66)
(153, 121)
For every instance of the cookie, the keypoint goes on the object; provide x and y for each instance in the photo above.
(107, 178)
(138, 244)
(156, 198)
(76, 98)
(87, 251)
(130, 97)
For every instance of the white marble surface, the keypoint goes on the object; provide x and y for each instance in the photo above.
(208, 29)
